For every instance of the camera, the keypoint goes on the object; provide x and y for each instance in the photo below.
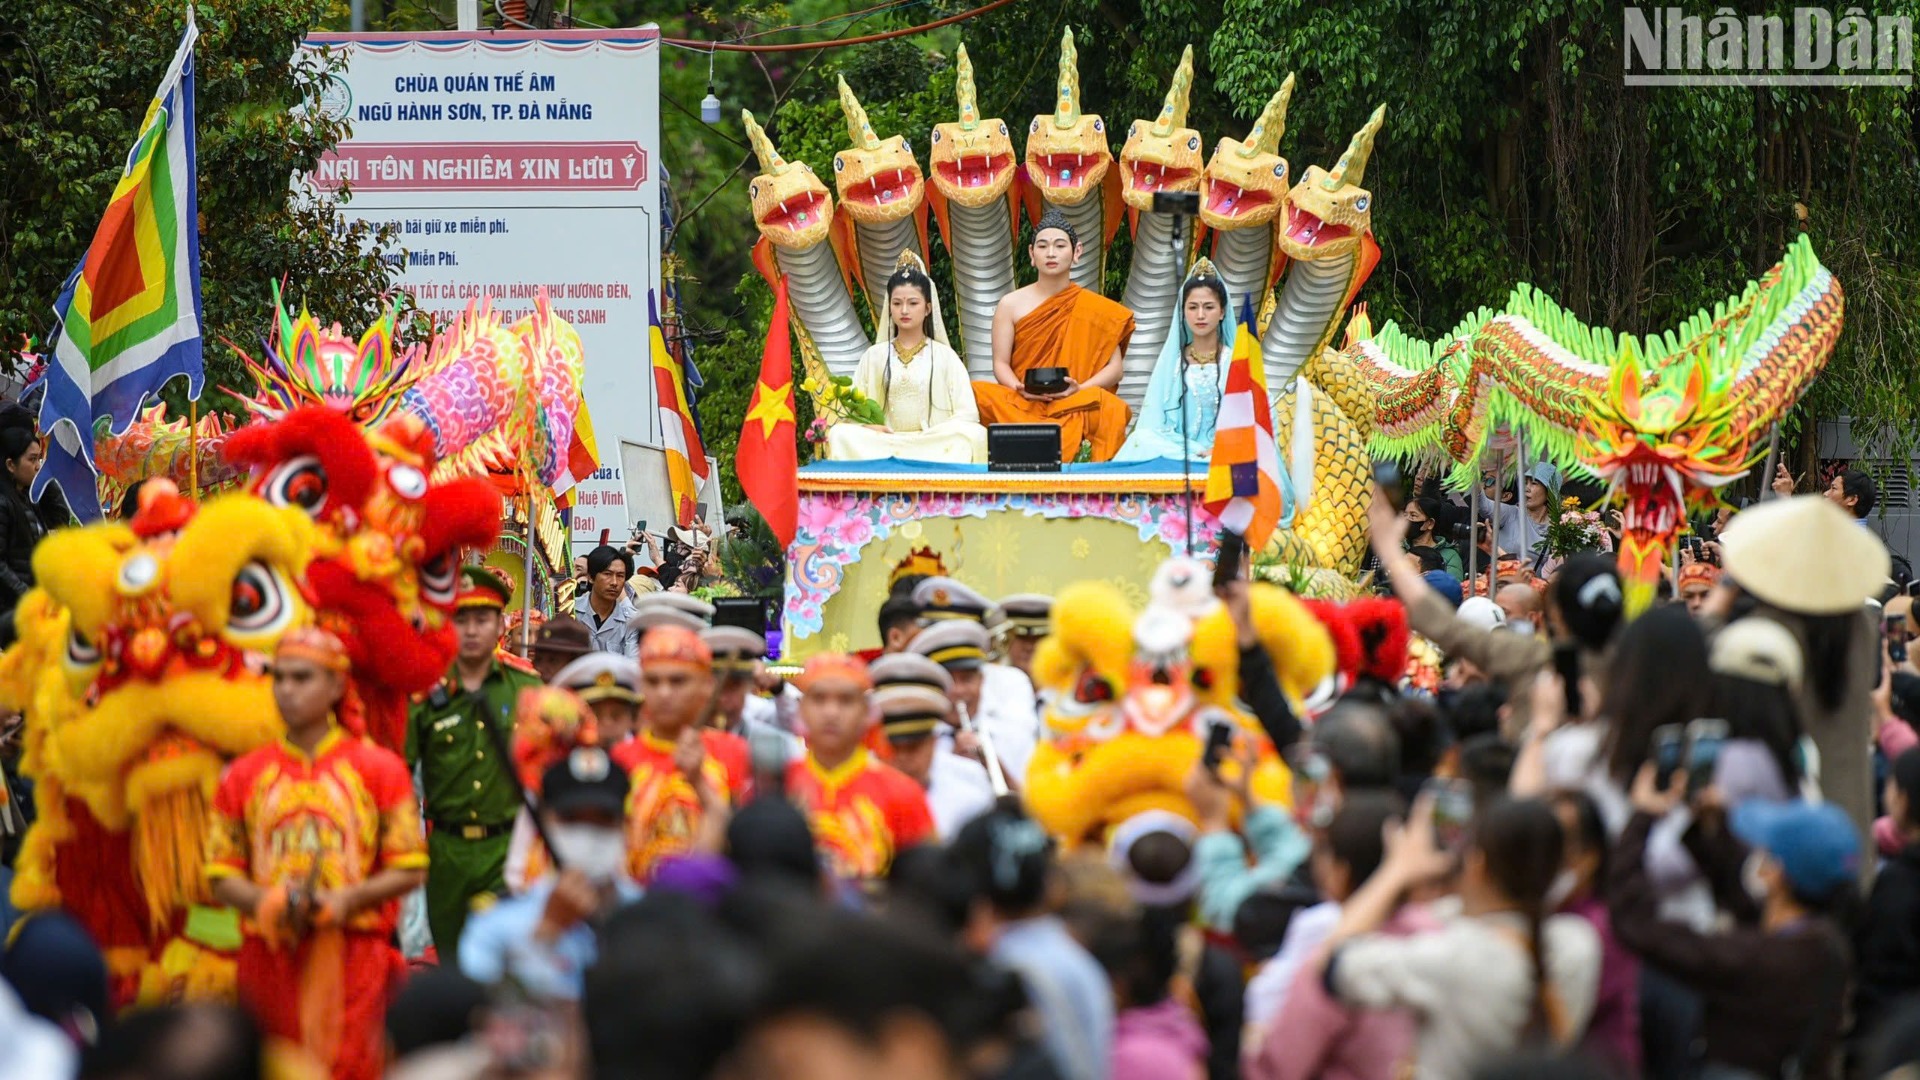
(1186, 203)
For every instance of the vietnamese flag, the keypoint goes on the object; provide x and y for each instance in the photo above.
(767, 459)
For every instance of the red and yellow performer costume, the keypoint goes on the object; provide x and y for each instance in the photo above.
(142, 658)
(293, 823)
(863, 811)
(663, 810)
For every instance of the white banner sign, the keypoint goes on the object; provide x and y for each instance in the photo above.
(512, 162)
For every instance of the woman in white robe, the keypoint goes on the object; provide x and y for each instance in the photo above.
(920, 383)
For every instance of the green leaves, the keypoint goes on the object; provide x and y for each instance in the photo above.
(75, 88)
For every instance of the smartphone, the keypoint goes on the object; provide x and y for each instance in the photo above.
(639, 527)
(1452, 811)
(1704, 739)
(1669, 752)
(1393, 483)
(1566, 663)
(1895, 628)
(1226, 564)
(1219, 741)
(1697, 548)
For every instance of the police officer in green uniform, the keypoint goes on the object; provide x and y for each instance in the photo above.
(471, 794)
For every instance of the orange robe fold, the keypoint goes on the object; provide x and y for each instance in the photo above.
(1077, 330)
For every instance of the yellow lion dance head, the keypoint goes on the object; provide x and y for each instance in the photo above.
(168, 625)
(1130, 696)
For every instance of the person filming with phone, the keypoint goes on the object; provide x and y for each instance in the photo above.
(1499, 971)
(1773, 986)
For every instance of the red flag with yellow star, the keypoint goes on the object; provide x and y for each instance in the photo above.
(767, 460)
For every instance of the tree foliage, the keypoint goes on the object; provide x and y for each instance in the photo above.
(75, 81)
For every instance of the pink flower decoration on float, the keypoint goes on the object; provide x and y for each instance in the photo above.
(818, 517)
(1173, 528)
(853, 530)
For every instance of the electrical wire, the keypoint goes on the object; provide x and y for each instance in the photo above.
(888, 8)
(835, 43)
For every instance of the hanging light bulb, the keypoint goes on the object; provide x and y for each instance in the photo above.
(710, 105)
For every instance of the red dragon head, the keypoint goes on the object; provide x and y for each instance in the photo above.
(390, 542)
(1662, 441)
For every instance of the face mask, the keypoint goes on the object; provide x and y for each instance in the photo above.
(1750, 877)
(1561, 889)
(1325, 805)
(595, 850)
(1523, 627)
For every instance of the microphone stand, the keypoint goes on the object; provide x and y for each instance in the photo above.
(1186, 432)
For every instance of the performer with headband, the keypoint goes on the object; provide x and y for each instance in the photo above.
(1055, 323)
(314, 839)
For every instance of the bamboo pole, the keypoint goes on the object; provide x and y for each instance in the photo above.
(526, 580)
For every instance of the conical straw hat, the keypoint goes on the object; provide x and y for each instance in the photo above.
(1805, 555)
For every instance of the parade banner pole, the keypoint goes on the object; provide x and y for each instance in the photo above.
(1773, 461)
(526, 582)
(193, 448)
(1493, 530)
(1473, 540)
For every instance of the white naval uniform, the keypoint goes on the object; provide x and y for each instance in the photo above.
(958, 790)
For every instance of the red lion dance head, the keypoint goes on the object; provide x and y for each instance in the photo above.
(388, 555)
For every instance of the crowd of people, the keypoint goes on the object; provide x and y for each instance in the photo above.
(1685, 844)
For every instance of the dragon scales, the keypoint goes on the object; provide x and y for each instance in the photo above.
(882, 194)
(1160, 156)
(972, 167)
(794, 214)
(1322, 417)
(1241, 191)
(1070, 166)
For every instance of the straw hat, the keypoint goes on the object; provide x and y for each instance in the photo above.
(1804, 555)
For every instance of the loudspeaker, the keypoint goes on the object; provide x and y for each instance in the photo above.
(1023, 448)
(743, 611)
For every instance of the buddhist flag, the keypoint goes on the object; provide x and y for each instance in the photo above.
(686, 457)
(767, 459)
(1245, 489)
(129, 314)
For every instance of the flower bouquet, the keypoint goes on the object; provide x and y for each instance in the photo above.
(1575, 530)
(837, 400)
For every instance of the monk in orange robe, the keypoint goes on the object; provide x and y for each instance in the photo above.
(1055, 323)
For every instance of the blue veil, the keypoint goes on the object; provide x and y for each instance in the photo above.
(1157, 432)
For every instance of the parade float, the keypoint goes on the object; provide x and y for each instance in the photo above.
(1665, 420)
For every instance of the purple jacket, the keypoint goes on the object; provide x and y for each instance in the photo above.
(1159, 1042)
(1613, 1034)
